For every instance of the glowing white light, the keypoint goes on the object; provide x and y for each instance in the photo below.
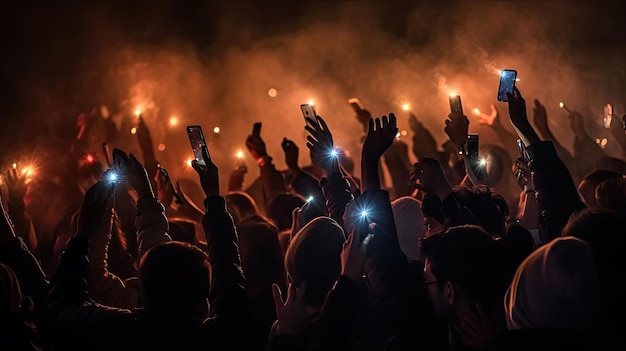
(113, 177)
(561, 104)
(333, 153)
(272, 92)
(406, 107)
(173, 121)
(398, 135)
(309, 199)
(364, 213)
(476, 111)
(483, 162)
(239, 154)
(14, 165)
(137, 113)
(216, 130)
(311, 102)
(133, 130)
(188, 162)
(452, 94)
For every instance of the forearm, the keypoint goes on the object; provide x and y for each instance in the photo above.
(103, 286)
(370, 176)
(530, 215)
(337, 195)
(556, 192)
(23, 225)
(272, 180)
(151, 224)
(228, 298)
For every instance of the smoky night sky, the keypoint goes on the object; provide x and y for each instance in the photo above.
(212, 63)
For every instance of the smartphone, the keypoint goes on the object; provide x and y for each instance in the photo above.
(356, 104)
(455, 105)
(196, 137)
(507, 83)
(308, 111)
(608, 115)
(472, 146)
(256, 129)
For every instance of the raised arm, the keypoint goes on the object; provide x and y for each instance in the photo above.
(230, 309)
(556, 192)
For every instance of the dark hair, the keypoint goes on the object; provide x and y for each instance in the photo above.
(241, 205)
(431, 207)
(487, 206)
(281, 208)
(174, 277)
(470, 259)
(603, 230)
(611, 194)
(598, 176)
(517, 244)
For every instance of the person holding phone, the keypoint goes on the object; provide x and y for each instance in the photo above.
(191, 298)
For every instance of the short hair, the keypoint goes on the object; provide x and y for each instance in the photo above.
(611, 194)
(431, 206)
(486, 205)
(471, 259)
(598, 176)
(314, 257)
(174, 277)
(241, 205)
(281, 208)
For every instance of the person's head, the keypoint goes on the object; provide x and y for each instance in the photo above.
(409, 219)
(174, 279)
(463, 267)
(587, 186)
(518, 244)
(241, 205)
(487, 206)
(433, 215)
(280, 210)
(611, 194)
(313, 256)
(555, 287)
(183, 230)
(603, 230)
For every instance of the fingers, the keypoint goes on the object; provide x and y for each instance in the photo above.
(278, 298)
(370, 126)
(322, 123)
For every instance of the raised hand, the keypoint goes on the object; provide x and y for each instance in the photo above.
(165, 191)
(137, 177)
(209, 175)
(292, 316)
(577, 124)
(320, 143)
(424, 144)
(490, 119)
(540, 119)
(457, 127)
(354, 252)
(17, 185)
(96, 213)
(381, 133)
(428, 176)
(256, 146)
(519, 118)
(291, 154)
(235, 181)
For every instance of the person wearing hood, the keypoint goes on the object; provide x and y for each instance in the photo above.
(551, 303)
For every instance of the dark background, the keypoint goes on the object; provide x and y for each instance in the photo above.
(212, 62)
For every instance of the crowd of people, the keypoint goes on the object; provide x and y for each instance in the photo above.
(521, 250)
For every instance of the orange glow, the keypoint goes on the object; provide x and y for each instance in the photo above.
(406, 107)
(173, 121)
(14, 165)
(453, 94)
(89, 158)
(137, 113)
(239, 154)
(188, 162)
(272, 92)
(311, 102)
(133, 130)
(476, 111)
(216, 130)
(161, 147)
